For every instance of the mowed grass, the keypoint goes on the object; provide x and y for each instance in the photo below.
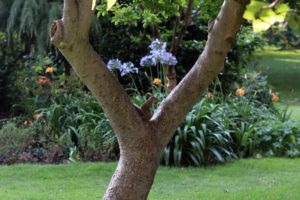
(283, 71)
(245, 179)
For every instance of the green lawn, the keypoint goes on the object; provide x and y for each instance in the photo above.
(245, 179)
(283, 71)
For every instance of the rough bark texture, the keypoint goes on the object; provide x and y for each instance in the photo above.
(141, 140)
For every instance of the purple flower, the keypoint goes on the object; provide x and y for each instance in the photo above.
(168, 59)
(114, 64)
(158, 54)
(149, 60)
(158, 45)
(127, 68)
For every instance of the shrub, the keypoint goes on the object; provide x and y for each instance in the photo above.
(239, 127)
(31, 141)
(279, 138)
(15, 142)
(81, 119)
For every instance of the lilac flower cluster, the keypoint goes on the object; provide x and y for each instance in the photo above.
(125, 68)
(114, 64)
(158, 54)
(158, 45)
(128, 67)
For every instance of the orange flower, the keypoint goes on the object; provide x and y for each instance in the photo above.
(38, 116)
(275, 97)
(240, 91)
(27, 122)
(49, 70)
(210, 94)
(156, 81)
(43, 80)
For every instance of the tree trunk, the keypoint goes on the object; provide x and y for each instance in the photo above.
(137, 167)
(133, 177)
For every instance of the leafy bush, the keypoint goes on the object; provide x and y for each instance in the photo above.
(31, 141)
(236, 128)
(201, 139)
(61, 115)
(10, 59)
(14, 141)
(238, 58)
(82, 120)
(279, 138)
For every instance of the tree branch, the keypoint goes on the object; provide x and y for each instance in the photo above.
(270, 6)
(169, 115)
(274, 3)
(186, 23)
(197, 11)
(176, 42)
(70, 35)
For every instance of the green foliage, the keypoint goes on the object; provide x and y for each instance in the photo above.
(200, 140)
(33, 18)
(61, 114)
(110, 4)
(293, 19)
(129, 13)
(81, 119)
(10, 65)
(258, 89)
(68, 122)
(148, 20)
(30, 141)
(30, 87)
(236, 128)
(4, 12)
(263, 17)
(125, 15)
(14, 141)
(279, 138)
(283, 37)
(239, 57)
(218, 129)
(282, 69)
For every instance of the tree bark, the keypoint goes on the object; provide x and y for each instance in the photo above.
(134, 175)
(141, 140)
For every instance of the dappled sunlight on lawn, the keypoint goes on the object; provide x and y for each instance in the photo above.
(290, 60)
(283, 70)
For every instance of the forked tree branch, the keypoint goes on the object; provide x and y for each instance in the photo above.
(182, 98)
(70, 35)
(141, 141)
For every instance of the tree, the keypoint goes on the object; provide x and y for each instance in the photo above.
(31, 20)
(141, 140)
